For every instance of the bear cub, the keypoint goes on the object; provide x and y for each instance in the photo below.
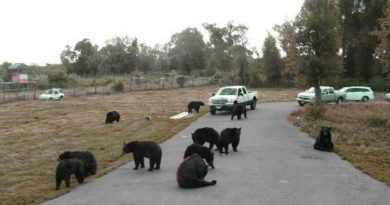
(194, 105)
(141, 149)
(324, 140)
(205, 134)
(112, 116)
(238, 109)
(229, 136)
(89, 161)
(66, 168)
(202, 151)
(191, 172)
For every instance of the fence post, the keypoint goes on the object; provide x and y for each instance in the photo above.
(35, 92)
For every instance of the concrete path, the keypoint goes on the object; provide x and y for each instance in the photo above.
(275, 164)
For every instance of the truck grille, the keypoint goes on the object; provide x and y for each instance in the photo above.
(219, 101)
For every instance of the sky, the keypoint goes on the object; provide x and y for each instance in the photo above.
(36, 31)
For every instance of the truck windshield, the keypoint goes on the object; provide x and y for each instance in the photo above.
(228, 91)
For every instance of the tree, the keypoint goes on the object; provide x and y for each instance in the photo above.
(187, 50)
(383, 48)
(272, 62)
(319, 41)
(358, 19)
(228, 49)
(5, 74)
(288, 42)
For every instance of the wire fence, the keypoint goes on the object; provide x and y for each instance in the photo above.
(10, 92)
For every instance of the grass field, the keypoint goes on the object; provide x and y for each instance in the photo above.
(360, 131)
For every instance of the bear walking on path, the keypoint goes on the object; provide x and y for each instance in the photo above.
(205, 134)
(238, 109)
(202, 151)
(194, 105)
(324, 140)
(112, 116)
(229, 136)
(66, 168)
(191, 172)
(141, 149)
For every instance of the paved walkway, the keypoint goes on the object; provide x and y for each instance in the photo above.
(275, 164)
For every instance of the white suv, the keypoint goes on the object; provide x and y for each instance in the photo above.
(357, 93)
(52, 94)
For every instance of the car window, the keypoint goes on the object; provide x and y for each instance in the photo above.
(55, 92)
(60, 91)
(331, 90)
(49, 91)
(239, 91)
(244, 90)
(228, 91)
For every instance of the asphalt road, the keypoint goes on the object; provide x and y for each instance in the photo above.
(275, 164)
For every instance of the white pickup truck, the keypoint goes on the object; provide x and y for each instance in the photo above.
(226, 96)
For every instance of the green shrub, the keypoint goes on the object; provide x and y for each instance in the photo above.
(377, 120)
(57, 79)
(181, 80)
(117, 86)
(314, 112)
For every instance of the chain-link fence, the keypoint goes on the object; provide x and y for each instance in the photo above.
(101, 85)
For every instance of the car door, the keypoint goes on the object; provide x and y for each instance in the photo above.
(56, 95)
(246, 96)
(240, 95)
(324, 95)
(351, 94)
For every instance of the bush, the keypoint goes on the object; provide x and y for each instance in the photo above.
(314, 112)
(57, 79)
(377, 120)
(181, 80)
(117, 86)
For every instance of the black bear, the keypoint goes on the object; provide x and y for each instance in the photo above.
(112, 116)
(206, 134)
(191, 172)
(90, 164)
(238, 109)
(141, 149)
(229, 136)
(324, 140)
(194, 105)
(202, 151)
(66, 168)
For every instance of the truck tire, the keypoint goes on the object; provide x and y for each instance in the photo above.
(253, 104)
(301, 104)
(339, 101)
(212, 112)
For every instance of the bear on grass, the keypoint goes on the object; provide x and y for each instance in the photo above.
(112, 116)
(89, 161)
(194, 105)
(191, 172)
(229, 136)
(66, 168)
(324, 140)
(141, 149)
(238, 109)
(202, 151)
(205, 134)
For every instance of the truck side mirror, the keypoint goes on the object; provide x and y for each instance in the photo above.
(213, 94)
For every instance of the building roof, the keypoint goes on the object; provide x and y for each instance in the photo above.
(16, 66)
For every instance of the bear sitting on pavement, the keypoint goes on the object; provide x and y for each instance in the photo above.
(191, 172)
(141, 149)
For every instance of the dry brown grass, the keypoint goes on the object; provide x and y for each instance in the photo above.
(34, 133)
(361, 133)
